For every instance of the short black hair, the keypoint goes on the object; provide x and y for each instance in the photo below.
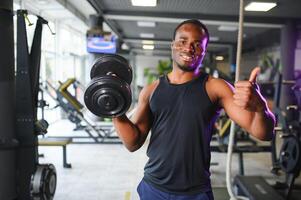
(195, 22)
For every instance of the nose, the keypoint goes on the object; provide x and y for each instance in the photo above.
(188, 48)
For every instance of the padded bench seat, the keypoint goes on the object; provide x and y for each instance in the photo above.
(57, 142)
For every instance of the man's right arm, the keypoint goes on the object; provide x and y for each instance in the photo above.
(134, 132)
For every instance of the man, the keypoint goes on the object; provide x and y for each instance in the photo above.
(180, 110)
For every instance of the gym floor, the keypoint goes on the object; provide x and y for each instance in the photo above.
(110, 172)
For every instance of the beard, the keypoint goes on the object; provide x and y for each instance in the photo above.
(186, 68)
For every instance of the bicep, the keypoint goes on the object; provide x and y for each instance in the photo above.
(239, 115)
(142, 117)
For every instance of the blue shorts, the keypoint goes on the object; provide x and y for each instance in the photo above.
(148, 192)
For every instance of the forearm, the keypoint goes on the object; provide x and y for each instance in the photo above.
(128, 132)
(263, 124)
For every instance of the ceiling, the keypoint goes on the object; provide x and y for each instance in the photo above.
(122, 17)
(68, 12)
(260, 28)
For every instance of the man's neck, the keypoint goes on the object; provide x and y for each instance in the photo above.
(178, 76)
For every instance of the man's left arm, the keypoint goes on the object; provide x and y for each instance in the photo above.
(247, 107)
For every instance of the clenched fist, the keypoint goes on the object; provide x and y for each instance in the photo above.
(247, 94)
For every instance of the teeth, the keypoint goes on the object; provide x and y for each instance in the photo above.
(188, 58)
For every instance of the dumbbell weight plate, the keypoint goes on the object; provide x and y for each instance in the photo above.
(43, 182)
(290, 155)
(109, 101)
(112, 64)
(108, 96)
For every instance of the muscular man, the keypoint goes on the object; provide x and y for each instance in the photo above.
(180, 109)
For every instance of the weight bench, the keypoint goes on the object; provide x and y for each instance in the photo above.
(57, 142)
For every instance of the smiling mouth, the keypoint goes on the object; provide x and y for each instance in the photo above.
(187, 58)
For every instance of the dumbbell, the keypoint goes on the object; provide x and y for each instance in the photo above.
(109, 93)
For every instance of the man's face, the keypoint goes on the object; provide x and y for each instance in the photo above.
(189, 47)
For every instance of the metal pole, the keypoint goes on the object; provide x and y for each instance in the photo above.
(232, 128)
(288, 43)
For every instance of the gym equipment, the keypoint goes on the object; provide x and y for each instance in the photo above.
(281, 117)
(109, 93)
(63, 142)
(297, 90)
(43, 182)
(42, 104)
(28, 127)
(284, 117)
(255, 188)
(103, 133)
(289, 158)
(8, 143)
(41, 127)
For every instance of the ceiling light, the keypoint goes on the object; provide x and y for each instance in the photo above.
(147, 42)
(213, 39)
(149, 3)
(147, 35)
(148, 47)
(146, 24)
(227, 28)
(260, 6)
(219, 58)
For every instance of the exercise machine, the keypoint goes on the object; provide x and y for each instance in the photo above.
(102, 132)
(34, 181)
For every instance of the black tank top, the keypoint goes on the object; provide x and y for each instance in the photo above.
(179, 148)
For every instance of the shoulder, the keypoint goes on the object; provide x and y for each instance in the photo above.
(213, 83)
(218, 89)
(148, 90)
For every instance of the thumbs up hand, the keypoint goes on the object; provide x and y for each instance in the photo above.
(254, 74)
(247, 94)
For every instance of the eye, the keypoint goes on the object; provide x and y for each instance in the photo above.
(197, 45)
(182, 42)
